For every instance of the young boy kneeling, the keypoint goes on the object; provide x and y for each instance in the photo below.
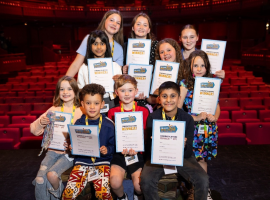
(92, 102)
(169, 96)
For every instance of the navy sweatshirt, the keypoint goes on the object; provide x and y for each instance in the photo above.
(106, 138)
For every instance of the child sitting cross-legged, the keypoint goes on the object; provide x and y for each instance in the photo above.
(126, 89)
(92, 102)
(169, 97)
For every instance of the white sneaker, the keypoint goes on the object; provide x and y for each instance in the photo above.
(135, 197)
(126, 197)
(209, 195)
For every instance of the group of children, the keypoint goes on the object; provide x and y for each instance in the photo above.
(174, 100)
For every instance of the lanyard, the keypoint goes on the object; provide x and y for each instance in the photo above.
(73, 112)
(164, 117)
(112, 47)
(99, 127)
(133, 107)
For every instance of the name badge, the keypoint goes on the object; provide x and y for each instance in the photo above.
(169, 169)
(131, 159)
(105, 108)
(93, 175)
(201, 129)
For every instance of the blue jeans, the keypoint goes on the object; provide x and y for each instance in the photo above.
(53, 162)
(191, 171)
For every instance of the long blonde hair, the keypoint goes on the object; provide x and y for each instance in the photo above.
(118, 37)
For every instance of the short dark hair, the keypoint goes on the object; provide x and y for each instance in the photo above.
(169, 85)
(92, 89)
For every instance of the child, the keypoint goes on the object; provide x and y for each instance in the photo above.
(188, 37)
(112, 25)
(169, 95)
(98, 47)
(92, 102)
(126, 89)
(48, 183)
(204, 145)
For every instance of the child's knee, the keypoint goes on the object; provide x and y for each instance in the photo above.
(52, 175)
(39, 180)
(116, 181)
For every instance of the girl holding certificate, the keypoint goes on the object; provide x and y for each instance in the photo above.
(206, 132)
(189, 37)
(48, 184)
(98, 47)
(112, 25)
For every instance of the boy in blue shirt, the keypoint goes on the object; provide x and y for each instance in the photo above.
(169, 97)
(92, 102)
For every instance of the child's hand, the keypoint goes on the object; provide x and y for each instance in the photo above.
(202, 116)
(132, 152)
(125, 152)
(211, 118)
(115, 77)
(125, 69)
(220, 74)
(67, 146)
(103, 150)
(141, 96)
(44, 120)
(185, 141)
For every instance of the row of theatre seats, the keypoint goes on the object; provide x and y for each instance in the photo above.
(244, 119)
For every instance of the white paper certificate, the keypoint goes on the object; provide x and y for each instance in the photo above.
(168, 139)
(84, 140)
(215, 50)
(143, 75)
(60, 130)
(101, 72)
(205, 95)
(129, 131)
(138, 51)
(164, 71)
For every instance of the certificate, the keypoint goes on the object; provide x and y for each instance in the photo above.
(164, 71)
(205, 95)
(84, 140)
(101, 72)
(168, 142)
(143, 75)
(60, 130)
(138, 51)
(129, 131)
(215, 50)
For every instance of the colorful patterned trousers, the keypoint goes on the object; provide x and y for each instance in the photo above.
(79, 177)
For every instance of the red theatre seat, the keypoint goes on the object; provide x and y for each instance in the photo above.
(239, 94)
(231, 134)
(40, 108)
(12, 100)
(251, 104)
(9, 138)
(4, 121)
(258, 133)
(229, 104)
(21, 122)
(4, 109)
(264, 115)
(19, 109)
(245, 116)
(259, 94)
(30, 141)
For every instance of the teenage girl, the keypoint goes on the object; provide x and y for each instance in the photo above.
(48, 183)
(98, 46)
(189, 37)
(204, 145)
(112, 25)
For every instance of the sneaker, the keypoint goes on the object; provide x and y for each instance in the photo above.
(209, 195)
(126, 197)
(135, 197)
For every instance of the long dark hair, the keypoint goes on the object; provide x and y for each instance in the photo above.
(189, 79)
(91, 39)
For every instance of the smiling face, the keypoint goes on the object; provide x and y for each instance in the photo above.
(98, 48)
(167, 52)
(198, 67)
(127, 93)
(169, 99)
(112, 24)
(92, 105)
(189, 38)
(66, 92)
(141, 27)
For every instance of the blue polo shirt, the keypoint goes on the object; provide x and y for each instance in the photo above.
(117, 54)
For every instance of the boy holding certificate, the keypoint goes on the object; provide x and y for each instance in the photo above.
(169, 96)
(90, 168)
(126, 89)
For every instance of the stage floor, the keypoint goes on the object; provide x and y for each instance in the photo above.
(238, 172)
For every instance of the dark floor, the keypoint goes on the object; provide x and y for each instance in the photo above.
(239, 172)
